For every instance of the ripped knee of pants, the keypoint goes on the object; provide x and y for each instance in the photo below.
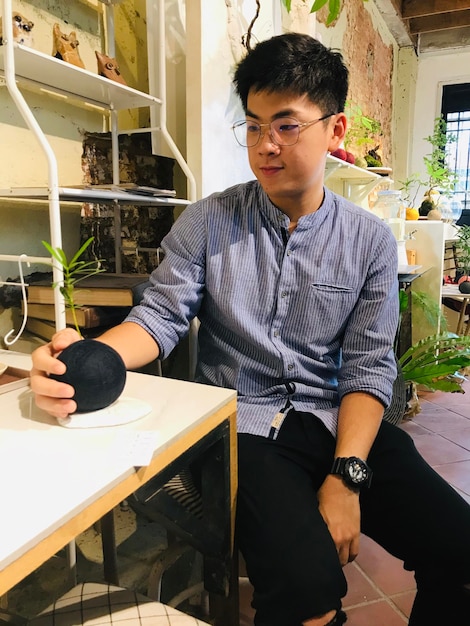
(338, 619)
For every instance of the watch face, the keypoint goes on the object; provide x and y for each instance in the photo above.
(357, 471)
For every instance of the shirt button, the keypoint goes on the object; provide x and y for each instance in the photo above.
(284, 294)
(288, 252)
(276, 333)
(290, 367)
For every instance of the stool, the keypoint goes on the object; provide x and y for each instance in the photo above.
(97, 604)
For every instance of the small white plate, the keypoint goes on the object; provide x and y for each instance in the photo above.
(123, 411)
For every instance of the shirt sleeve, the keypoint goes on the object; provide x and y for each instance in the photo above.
(177, 284)
(368, 361)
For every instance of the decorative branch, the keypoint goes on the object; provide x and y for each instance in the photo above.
(246, 40)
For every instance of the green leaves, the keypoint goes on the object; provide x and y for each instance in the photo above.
(317, 5)
(74, 271)
(463, 248)
(435, 359)
(334, 8)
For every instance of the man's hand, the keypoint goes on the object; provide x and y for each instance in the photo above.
(339, 507)
(51, 395)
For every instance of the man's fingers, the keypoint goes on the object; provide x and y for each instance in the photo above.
(58, 408)
(44, 386)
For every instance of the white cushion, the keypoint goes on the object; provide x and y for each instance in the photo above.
(96, 604)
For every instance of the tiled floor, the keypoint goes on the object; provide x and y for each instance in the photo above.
(381, 592)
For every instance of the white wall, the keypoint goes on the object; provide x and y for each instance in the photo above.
(214, 32)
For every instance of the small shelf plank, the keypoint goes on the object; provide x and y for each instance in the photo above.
(40, 71)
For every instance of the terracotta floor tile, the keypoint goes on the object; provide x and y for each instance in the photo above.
(404, 601)
(465, 496)
(438, 451)
(359, 588)
(460, 436)
(412, 428)
(457, 474)
(438, 421)
(463, 409)
(384, 570)
(375, 614)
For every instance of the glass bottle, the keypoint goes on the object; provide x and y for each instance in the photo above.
(390, 207)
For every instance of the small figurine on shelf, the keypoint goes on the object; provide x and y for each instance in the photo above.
(109, 68)
(22, 28)
(65, 47)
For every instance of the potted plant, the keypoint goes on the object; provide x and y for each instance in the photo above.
(363, 136)
(94, 369)
(436, 362)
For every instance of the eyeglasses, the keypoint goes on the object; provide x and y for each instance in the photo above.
(284, 131)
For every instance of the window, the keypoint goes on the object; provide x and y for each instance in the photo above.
(456, 113)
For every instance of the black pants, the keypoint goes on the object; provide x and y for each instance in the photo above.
(409, 510)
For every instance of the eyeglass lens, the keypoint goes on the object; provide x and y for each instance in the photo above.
(284, 132)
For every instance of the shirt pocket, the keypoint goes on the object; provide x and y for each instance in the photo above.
(332, 302)
(327, 288)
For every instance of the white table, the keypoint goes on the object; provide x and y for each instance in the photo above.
(452, 291)
(57, 482)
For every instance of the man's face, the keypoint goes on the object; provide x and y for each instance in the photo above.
(292, 176)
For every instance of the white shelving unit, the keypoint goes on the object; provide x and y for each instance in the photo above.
(352, 182)
(23, 68)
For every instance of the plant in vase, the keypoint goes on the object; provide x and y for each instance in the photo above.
(363, 137)
(439, 179)
(437, 363)
(95, 370)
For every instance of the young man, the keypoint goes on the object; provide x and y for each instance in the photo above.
(296, 292)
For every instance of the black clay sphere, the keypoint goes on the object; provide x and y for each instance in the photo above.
(464, 285)
(95, 371)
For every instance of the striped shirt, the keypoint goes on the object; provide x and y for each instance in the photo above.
(306, 317)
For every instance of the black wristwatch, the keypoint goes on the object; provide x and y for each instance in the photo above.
(354, 471)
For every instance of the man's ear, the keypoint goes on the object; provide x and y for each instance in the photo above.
(338, 131)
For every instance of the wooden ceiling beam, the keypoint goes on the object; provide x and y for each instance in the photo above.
(424, 8)
(443, 21)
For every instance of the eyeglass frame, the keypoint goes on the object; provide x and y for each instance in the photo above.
(261, 134)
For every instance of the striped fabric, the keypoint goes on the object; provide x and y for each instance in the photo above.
(183, 490)
(317, 309)
(96, 604)
(181, 487)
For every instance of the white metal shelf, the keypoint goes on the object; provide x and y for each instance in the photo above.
(338, 169)
(76, 194)
(43, 72)
(348, 180)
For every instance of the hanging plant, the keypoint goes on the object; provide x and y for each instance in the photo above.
(334, 8)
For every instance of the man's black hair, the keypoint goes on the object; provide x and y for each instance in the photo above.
(294, 63)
